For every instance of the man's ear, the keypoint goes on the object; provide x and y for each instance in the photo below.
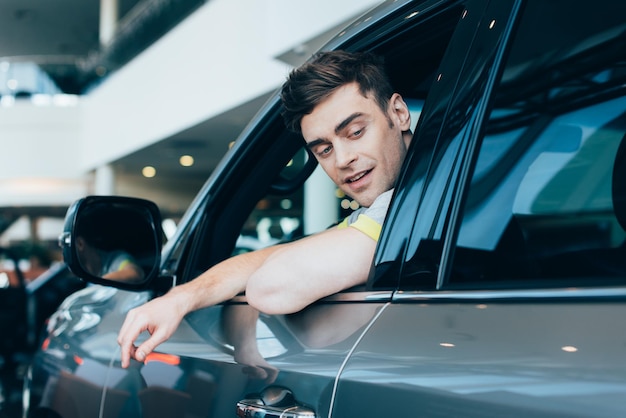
(401, 112)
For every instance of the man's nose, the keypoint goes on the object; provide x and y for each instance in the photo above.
(344, 155)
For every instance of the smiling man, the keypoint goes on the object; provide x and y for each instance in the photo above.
(358, 128)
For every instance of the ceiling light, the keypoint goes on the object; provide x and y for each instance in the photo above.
(186, 160)
(148, 171)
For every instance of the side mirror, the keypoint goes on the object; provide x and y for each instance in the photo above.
(113, 240)
(287, 183)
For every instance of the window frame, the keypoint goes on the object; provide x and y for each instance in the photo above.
(215, 198)
(450, 224)
(444, 149)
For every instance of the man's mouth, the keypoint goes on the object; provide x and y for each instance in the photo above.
(357, 177)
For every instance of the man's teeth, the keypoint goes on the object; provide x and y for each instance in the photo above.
(353, 179)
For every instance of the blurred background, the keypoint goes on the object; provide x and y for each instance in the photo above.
(124, 97)
(134, 97)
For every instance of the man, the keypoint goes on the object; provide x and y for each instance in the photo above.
(114, 265)
(359, 131)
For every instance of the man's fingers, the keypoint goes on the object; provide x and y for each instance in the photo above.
(138, 353)
(127, 349)
(126, 356)
(131, 328)
(145, 349)
(151, 318)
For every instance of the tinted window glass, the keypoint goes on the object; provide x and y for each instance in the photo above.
(545, 205)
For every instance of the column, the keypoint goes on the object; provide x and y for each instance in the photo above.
(108, 20)
(104, 181)
(320, 202)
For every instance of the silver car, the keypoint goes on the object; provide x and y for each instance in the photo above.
(498, 286)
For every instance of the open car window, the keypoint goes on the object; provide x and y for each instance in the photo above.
(250, 213)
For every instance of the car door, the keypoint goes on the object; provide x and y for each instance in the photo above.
(230, 358)
(512, 284)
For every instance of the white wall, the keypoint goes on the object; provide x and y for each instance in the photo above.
(39, 154)
(230, 62)
(219, 57)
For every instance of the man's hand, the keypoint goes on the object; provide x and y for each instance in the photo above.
(285, 279)
(160, 317)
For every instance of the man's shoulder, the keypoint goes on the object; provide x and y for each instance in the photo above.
(378, 210)
(370, 220)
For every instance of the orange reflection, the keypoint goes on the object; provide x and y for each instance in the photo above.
(170, 359)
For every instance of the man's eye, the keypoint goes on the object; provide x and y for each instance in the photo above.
(357, 133)
(325, 151)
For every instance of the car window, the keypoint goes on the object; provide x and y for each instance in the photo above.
(411, 240)
(279, 217)
(545, 202)
(315, 206)
(247, 213)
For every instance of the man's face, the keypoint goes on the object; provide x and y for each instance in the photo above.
(358, 145)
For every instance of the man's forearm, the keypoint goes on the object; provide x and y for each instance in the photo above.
(221, 282)
(304, 271)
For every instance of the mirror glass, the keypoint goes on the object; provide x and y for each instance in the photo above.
(116, 241)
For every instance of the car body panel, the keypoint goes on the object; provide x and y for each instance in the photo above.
(489, 358)
(204, 369)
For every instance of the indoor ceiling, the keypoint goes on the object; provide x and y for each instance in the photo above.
(62, 37)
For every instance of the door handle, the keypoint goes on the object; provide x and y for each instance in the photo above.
(273, 402)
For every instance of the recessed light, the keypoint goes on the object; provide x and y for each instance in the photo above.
(148, 171)
(186, 160)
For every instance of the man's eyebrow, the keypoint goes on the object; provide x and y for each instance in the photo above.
(347, 121)
(340, 126)
(315, 142)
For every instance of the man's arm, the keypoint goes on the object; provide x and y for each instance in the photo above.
(299, 273)
(161, 316)
(280, 279)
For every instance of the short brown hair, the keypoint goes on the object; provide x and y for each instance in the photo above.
(324, 73)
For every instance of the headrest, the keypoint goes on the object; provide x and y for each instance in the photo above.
(618, 187)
